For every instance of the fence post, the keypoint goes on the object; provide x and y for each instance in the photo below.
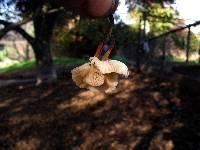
(199, 52)
(138, 47)
(144, 15)
(163, 52)
(188, 44)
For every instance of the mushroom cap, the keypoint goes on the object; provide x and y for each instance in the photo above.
(109, 85)
(99, 75)
(110, 66)
(87, 75)
(94, 77)
(79, 73)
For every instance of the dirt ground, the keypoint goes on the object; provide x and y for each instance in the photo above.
(146, 113)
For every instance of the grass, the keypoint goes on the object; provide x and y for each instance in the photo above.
(174, 59)
(18, 65)
(180, 60)
(57, 61)
(66, 60)
(120, 58)
(29, 63)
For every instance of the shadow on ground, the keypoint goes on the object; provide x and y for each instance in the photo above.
(146, 113)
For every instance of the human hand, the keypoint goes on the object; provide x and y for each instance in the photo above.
(91, 8)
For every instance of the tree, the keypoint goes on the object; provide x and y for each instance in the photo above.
(153, 13)
(43, 14)
(158, 16)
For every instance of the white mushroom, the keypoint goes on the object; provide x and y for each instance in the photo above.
(110, 66)
(99, 75)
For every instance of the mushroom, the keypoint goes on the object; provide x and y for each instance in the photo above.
(100, 75)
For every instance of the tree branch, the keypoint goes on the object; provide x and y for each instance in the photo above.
(55, 10)
(16, 27)
(21, 31)
(12, 25)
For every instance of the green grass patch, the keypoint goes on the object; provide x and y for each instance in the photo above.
(64, 60)
(180, 60)
(57, 61)
(174, 59)
(120, 58)
(196, 61)
(28, 64)
(19, 65)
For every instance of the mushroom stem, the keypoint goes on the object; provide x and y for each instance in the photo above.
(101, 44)
(99, 48)
(107, 54)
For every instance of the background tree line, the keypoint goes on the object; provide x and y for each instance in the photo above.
(61, 32)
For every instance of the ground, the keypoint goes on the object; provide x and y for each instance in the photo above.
(146, 113)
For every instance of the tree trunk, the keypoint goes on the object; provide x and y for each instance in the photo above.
(44, 64)
(43, 25)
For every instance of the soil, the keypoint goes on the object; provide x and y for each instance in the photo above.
(146, 113)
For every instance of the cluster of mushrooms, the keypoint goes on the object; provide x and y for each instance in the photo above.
(100, 75)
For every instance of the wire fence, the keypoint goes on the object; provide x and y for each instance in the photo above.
(175, 47)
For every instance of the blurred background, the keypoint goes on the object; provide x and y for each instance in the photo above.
(155, 108)
(165, 31)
